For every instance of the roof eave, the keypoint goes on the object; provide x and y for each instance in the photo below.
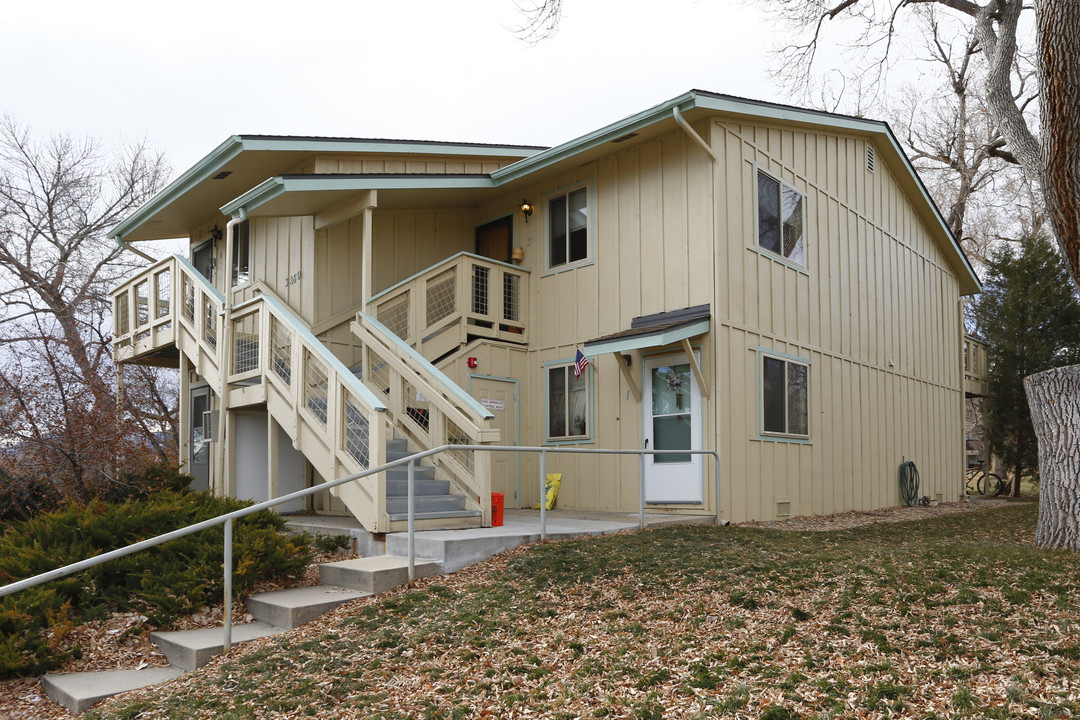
(276, 186)
(197, 173)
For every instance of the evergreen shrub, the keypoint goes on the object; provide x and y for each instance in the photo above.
(162, 583)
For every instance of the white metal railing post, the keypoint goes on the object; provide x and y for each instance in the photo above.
(228, 585)
(412, 521)
(641, 491)
(543, 496)
(716, 464)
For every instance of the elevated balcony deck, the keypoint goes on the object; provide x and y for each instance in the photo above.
(975, 367)
(260, 353)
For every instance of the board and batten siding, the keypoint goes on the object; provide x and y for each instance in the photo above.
(405, 242)
(875, 313)
(411, 164)
(651, 236)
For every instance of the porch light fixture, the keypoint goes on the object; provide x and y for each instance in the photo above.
(526, 209)
(215, 233)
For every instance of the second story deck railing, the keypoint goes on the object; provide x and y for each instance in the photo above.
(975, 367)
(337, 423)
(465, 295)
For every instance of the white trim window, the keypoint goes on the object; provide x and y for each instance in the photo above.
(241, 259)
(781, 219)
(568, 228)
(785, 401)
(568, 397)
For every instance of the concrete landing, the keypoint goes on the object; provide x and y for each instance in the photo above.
(456, 549)
(377, 574)
(190, 649)
(78, 692)
(294, 607)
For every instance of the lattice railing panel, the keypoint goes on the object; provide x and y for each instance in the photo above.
(480, 289)
(396, 317)
(209, 313)
(123, 320)
(457, 436)
(163, 280)
(512, 297)
(281, 340)
(441, 296)
(417, 406)
(246, 339)
(142, 303)
(356, 432)
(189, 299)
(315, 386)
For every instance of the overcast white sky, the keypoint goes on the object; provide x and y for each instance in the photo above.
(187, 75)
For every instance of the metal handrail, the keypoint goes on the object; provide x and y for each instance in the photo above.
(411, 460)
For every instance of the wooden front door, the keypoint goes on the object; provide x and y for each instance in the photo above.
(495, 239)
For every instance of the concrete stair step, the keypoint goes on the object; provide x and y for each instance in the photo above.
(401, 472)
(377, 574)
(437, 515)
(400, 488)
(425, 504)
(294, 607)
(78, 692)
(190, 649)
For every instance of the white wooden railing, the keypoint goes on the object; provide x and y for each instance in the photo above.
(334, 420)
(975, 367)
(465, 295)
(429, 409)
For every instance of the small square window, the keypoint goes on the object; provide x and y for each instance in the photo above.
(781, 219)
(568, 228)
(784, 397)
(568, 398)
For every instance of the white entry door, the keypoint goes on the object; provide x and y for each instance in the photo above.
(672, 406)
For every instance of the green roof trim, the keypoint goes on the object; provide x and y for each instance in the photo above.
(197, 173)
(275, 186)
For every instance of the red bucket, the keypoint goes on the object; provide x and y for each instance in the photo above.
(497, 500)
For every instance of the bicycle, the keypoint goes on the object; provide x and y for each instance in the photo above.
(984, 481)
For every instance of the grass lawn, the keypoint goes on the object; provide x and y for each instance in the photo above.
(953, 617)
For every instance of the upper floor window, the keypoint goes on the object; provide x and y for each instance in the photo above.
(781, 219)
(241, 256)
(568, 228)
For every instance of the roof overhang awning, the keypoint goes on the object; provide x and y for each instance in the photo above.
(658, 330)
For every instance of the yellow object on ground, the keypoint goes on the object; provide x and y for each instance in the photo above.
(551, 490)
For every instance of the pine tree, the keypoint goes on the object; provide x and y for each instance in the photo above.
(1029, 317)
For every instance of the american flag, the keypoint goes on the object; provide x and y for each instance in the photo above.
(580, 363)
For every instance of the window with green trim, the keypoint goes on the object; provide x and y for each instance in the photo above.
(785, 409)
(781, 215)
(567, 403)
(568, 228)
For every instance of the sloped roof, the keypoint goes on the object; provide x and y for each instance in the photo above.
(249, 189)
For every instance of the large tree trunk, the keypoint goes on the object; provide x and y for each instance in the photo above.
(1054, 399)
(1058, 32)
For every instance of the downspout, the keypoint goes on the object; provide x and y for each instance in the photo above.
(677, 114)
(227, 348)
(124, 246)
(693, 135)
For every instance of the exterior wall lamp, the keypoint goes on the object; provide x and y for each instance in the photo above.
(215, 233)
(526, 210)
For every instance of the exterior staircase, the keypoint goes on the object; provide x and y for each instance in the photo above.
(275, 612)
(258, 353)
